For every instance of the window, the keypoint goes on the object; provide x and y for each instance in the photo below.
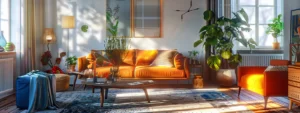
(138, 18)
(260, 13)
(4, 18)
(147, 18)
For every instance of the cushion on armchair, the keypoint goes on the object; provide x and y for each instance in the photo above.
(279, 62)
(277, 68)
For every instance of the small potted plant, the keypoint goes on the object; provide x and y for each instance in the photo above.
(71, 62)
(275, 29)
(193, 55)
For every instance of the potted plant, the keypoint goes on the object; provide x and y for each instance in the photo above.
(275, 29)
(193, 55)
(220, 36)
(115, 47)
(71, 62)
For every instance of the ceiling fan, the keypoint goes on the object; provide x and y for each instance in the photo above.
(187, 11)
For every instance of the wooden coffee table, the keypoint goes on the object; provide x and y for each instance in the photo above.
(122, 84)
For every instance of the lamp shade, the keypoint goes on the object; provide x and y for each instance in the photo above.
(68, 22)
(49, 36)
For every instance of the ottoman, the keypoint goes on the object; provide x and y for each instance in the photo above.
(62, 82)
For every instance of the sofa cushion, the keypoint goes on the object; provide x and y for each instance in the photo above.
(103, 60)
(158, 72)
(253, 82)
(179, 61)
(129, 57)
(145, 57)
(164, 58)
(124, 71)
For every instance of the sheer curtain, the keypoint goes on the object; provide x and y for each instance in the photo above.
(31, 42)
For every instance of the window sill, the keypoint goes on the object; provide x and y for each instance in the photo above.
(260, 51)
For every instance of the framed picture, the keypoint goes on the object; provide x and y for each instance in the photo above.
(294, 53)
(295, 25)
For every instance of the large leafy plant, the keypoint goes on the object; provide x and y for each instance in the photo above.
(221, 35)
(276, 27)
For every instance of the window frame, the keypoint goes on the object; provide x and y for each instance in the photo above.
(133, 20)
(8, 37)
(277, 10)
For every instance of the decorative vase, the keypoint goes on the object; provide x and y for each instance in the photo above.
(198, 81)
(9, 47)
(1, 49)
(2, 40)
(226, 77)
(114, 73)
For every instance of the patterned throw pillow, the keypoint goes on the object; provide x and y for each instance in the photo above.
(101, 58)
(277, 68)
(164, 58)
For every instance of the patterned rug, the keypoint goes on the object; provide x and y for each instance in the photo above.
(134, 100)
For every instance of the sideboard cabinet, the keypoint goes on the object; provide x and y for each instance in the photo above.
(294, 85)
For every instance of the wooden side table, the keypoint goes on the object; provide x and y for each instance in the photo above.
(76, 74)
(197, 72)
(196, 69)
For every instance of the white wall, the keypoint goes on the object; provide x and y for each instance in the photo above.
(288, 6)
(177, 34)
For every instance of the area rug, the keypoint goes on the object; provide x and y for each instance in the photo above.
(133, 100)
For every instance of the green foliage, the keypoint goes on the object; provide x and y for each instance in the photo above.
(71, 60)
(112, 21)
(84, 28)
(115, 47)
(193, 53)
(214, 62)
(221, 34)
(276, 27)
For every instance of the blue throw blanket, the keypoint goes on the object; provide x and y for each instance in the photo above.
(41, 94)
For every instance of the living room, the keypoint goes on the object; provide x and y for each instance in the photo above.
(208, 56)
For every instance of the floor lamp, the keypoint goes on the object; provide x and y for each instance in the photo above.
(68, 22)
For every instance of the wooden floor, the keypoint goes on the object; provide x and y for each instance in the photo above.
(249, 99)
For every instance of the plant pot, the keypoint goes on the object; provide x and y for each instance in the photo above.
(276, 45)
(226, 77)
(72, 67)
(198, 81)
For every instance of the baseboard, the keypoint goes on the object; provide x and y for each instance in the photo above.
(6, 93)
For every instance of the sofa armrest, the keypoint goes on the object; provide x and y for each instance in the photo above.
(244, 70)
(276, 83)
(82, 63)
(186, 67)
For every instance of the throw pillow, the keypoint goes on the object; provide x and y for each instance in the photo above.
(179, 61)
(101, 59)
(145, 57)
(128, 57)
(277, 68)
(164, 58)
